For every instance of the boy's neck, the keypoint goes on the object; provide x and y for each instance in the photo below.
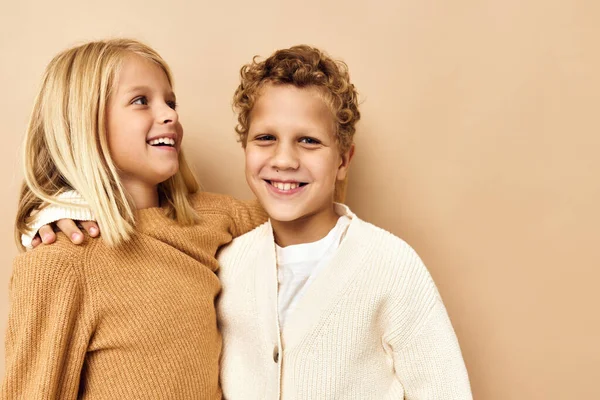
(308, 229)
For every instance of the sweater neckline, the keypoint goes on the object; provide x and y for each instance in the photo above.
(313, 251)
(152, 218)
(327, 286)
(150, 212)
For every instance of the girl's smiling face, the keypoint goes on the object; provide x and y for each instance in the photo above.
(143, 129)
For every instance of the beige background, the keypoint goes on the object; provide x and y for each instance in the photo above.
(478, 146)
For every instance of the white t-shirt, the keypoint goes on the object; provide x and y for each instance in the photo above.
(298, 265)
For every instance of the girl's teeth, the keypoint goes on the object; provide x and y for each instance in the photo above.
(167, 141)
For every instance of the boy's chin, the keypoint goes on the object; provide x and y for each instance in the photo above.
(280, 214)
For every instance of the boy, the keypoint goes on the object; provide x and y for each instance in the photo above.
(338, 308)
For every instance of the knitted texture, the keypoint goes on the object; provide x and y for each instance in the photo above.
(371, 325)
(130, 322)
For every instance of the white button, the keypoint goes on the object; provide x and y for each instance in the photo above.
(276, 354)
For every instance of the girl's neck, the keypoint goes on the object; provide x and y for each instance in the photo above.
(143, 196)
(307, 229)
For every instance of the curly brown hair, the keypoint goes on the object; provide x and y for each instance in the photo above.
(301, 66)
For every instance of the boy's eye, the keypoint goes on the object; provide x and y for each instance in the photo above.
(141, 101)
(172, 104)
(265, 138)
(309, 140)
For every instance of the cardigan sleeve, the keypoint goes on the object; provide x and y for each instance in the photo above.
(78, 211)
(48, 329)
(430, 365)
(419, 335)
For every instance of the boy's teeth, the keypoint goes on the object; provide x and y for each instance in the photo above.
(167, 141)
(285, 186)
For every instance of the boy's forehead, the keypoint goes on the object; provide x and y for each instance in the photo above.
(280, 101)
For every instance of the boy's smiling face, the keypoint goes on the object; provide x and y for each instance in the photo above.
(292, 156)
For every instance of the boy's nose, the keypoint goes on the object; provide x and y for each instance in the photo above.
(285, 158)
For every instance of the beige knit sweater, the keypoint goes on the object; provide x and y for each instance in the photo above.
(133, 322)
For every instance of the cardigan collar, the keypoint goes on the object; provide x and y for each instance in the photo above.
(350, 259)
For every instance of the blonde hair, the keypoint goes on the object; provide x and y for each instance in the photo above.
(66, 146)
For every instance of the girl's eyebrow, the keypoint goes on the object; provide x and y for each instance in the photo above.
(142, 88)
(137, 89)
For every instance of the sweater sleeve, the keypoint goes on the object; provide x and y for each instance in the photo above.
(247, 215)
(430, 365)
(48, 329)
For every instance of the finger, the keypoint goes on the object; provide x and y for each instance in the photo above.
(91, 227)
(36, 241)
(47, 234)
(70, 229)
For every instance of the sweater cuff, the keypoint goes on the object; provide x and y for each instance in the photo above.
(54, 212)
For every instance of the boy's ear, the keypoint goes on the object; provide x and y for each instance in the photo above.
(345, 164)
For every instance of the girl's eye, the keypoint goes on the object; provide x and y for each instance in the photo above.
(309, 140)
(172, 104)
(141, 101)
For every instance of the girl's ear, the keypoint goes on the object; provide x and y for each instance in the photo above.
(345, 163)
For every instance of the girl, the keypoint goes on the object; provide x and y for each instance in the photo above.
(131, 315)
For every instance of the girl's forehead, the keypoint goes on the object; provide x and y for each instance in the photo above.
(137, 72)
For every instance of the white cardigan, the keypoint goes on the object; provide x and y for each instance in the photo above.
(372, 325)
